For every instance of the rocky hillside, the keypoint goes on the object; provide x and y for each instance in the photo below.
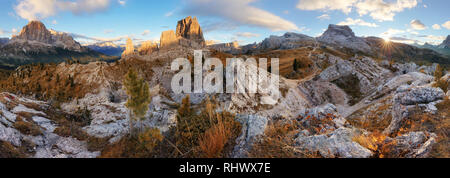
(36, 44)
(334, 104)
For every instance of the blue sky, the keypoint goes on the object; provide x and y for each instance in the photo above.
(246, 21)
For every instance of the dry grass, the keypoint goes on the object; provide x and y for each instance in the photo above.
(9, 151)
(27, 128)
(278, 142)
(374, 142)
(142, 146)
(212, 143)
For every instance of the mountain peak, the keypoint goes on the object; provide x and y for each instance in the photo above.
(445, 43)
(35, 31)
(343, 36)
(342, 30)
(190, 29)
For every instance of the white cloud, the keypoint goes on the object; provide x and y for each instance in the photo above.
(14, 31)
(417, 25)
(285, 12)
(377, 9)
(1, 32)
(146, 32)
(54, 22)
(247, 34)
(383, 11)
(359, 22)
(436, 27)
(240, 12)
(433, 38)
(446, 25)
(122, 2)
(41, 9)
(403, 40)
(391, 32)
(324, 16)
(343, 5)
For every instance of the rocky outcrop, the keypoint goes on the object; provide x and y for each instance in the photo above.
(412, 145)
(253, 128)
(289, 40)
(407, 98)
(446, 43)
(189, 28)
(45, 143)
(343, 36)
(338, 143)
(129, 48)
(147, 48)
(168, 39)
(232, 47)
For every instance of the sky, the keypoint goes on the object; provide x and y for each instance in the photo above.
(245, 21)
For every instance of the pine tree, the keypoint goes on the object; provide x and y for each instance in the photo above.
(138, 96)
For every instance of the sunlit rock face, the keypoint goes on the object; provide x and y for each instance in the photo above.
(168, 39)
(36, 31)
(147, 48)
(190, 29)
(129, 49)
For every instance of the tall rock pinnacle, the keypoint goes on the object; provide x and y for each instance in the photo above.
(190, 29)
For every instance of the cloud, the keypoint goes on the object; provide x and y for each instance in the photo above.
(342, 5)
(417, 25)
(446, 25)
(383, 11)
(239, 12)
(403, 40)
(97, 39)
(436, 27)
(1, 32)
(432, 37)
(247, 34)
(146, 32)
(358, 22)
(54, 22)
(377, 9)
(41, 9)
(122, 2)
(324, 16)
(391, 32)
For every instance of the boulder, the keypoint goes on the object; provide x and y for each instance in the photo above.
(253, 127)
(419, 95)
(338, 143)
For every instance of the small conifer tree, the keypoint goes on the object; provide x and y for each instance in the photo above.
(138, 96)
